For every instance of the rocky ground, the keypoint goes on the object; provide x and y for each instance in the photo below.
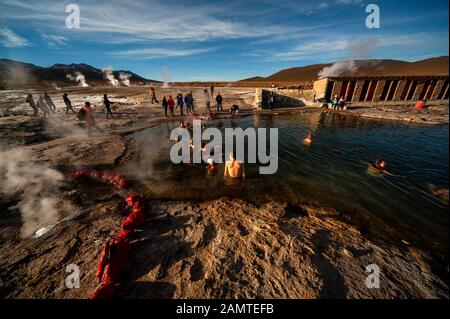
(223, 248)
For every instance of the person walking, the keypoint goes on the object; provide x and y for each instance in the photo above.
(49, 102)
(165, 105)
(43, 106)
(152, 89)
(68, 104)
(30, 101)
(219, 100)
(107, 104)
(180, 103)
(88, 116)
(171, 103)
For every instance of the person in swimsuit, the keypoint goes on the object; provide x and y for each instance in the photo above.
(233, 168)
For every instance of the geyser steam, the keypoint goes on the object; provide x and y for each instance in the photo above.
(36, 185)
(360, 49)
(166, 76)
(109, 75)
(125, 78)
(78, 77)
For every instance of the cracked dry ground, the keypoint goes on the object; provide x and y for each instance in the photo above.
(224, 248)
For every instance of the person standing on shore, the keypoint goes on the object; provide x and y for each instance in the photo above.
(42, 106)
(271, 100)
(171, 103)
(107, 103)
(212, 90)
(219, 100)
(49, 102)
(180, 103)
(192, 102)
(68, 104)
(152, 90)
(30, 101)
(165, 105)
(187, 101)
(207, 100)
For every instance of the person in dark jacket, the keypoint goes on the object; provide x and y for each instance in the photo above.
(30, 101)
(153, 95)
(165, 105)
(219, 100)
(107, 103)
(68, 104)
(180, 103)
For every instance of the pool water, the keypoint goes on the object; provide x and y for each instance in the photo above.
(332, 172)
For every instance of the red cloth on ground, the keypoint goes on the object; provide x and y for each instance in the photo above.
(135, 219)
(113, 260)
(420, 105)
(104, 292)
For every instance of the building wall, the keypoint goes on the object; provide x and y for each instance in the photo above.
(320, 87)
(383, 89)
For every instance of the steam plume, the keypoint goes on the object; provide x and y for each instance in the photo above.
(37, 186)
(78, 77)
(125, 78)
(109, 75)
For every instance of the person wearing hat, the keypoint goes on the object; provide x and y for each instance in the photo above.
(68, 104)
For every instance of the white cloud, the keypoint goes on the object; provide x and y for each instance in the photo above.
(55, 41)
(154, 53)
(140, 21)
(356, 47)
(10, 39)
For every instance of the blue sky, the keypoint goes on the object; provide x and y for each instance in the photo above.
(219, 40)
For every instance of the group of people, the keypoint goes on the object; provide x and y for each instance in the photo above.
(169, 103)
(46, 106)
(338, 103)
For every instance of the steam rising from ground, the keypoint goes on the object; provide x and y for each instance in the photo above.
(339, 68)
(17, 75)
(37, 185)
(362, 49)
(109, 75)
(166, 76)
(125, 78)
(78, 77)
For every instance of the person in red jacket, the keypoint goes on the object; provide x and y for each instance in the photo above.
(171, 103)
(88, 116)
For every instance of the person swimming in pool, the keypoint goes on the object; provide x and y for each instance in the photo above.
(233, 168)
(309, 138)
(439, 193)
(211, 168)
(379, 167)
